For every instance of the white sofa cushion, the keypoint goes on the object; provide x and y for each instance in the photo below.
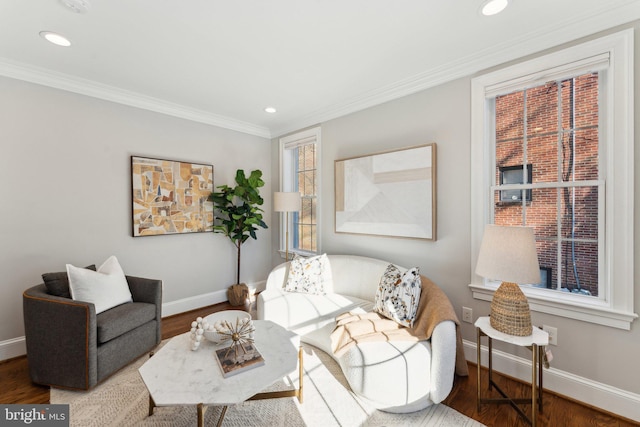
(305, 313)
(388, 374)
(356, 275)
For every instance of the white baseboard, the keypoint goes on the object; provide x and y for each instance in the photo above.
(12, 348)
(192, 303)
(599, 395)
(15, 347)
(204, 300)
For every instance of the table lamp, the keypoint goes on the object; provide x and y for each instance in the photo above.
(509, 254)
(286, 202)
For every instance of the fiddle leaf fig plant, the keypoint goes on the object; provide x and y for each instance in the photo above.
(236, 210)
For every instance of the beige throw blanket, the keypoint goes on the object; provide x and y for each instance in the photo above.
(434, 308)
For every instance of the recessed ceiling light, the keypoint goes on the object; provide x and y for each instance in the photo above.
(55, 38)
(270, 110)
(493, 7)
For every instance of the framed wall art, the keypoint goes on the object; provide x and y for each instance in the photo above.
(170, 197)
(392, 193)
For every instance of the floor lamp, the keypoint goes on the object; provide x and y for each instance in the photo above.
(286, 202)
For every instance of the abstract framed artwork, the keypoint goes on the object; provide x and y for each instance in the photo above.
(170, 197)
(392, 193)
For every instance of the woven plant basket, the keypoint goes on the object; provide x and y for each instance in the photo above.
(238, 294)
(510, 311)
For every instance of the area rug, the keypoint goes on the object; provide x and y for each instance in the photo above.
(123, 400)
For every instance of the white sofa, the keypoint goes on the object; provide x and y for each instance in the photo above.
(392, 376)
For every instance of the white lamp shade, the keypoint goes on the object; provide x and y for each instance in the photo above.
(286, 201)
(508, 254)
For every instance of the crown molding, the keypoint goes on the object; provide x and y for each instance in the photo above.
(572, 29)
(41, 76)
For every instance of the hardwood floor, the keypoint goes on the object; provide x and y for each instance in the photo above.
(16, 387)
(558, 411)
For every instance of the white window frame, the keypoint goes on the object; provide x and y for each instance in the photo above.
(615, 306)
(286, 143)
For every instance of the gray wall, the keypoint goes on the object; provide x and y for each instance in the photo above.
(442, 115)
(65, 169)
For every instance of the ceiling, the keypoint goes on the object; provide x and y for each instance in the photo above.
(223, 62)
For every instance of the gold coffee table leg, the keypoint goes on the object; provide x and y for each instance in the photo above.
(152, 405)
(295, 392)
(224, 411)
(300, 374)
(201, 411)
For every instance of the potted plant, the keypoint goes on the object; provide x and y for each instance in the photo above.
(237, 215)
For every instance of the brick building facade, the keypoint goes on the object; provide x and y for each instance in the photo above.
(565, 153)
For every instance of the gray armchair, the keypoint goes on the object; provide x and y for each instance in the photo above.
(69, 346)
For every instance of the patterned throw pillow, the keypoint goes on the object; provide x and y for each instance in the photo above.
(310, 275)
(398, 295)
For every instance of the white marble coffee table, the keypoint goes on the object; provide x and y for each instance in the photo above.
(177, 376)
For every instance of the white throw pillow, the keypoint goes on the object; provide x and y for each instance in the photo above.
(398, 295)
(310, 276)
(105, 288)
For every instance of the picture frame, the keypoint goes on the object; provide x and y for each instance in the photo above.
(390, 193)
(170, 197)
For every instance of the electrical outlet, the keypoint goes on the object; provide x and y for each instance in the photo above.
(553, 334)
(467, 314)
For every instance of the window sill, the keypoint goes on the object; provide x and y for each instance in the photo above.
(593, 313)
(293, 253)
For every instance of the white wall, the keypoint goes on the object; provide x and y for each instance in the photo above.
(66, 195)
(594, 364)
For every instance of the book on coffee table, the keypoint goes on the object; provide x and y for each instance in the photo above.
(247, 359)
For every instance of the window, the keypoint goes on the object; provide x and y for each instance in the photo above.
(556, 138)
(514, 175)
(554, 125)
(299, 155)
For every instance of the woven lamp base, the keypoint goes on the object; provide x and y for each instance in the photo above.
(510, 311)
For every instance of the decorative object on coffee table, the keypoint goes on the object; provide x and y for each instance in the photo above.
(211, 334)
(239, 334)
(198, 329)
(236, 211)
(232, 362)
